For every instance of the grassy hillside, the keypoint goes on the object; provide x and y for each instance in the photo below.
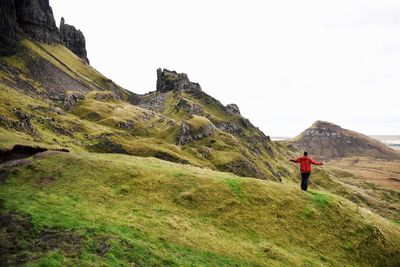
(94, 209)
(85, 208)
(52, 96)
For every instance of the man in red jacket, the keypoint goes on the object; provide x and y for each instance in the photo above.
(305, 168)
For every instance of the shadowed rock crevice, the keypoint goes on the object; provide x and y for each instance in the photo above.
(23, 151)
(20, 152)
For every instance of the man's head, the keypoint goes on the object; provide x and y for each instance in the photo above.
(305, 153)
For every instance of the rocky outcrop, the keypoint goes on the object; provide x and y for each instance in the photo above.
(187, 134)
(229, 127)
(172, 81)
(23, 123)
(190, 108)
(233, 108)
(71, 98)
(73, 39)
(154, 102)
(126, 125)
(9, 30)
(36, 19)
(330, 140)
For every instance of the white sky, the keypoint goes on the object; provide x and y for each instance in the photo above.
(285, 63)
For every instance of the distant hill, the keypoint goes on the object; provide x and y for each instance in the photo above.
(330, 140)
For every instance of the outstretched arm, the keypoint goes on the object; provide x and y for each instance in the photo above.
(294, 160)
(317, 162)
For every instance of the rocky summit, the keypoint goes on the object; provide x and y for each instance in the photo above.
(329, 140)
(171, 80)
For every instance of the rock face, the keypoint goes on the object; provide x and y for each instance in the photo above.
(9, 30)
(73, 39)
(171, 80)
(329, 140)
(36, 19)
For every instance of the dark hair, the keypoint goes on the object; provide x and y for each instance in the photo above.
(305, 153)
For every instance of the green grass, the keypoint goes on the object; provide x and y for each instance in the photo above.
(127, 210)
(153, 212)
(234, 185)
(308, 212)
(321, 199)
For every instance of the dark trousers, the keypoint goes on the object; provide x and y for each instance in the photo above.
(304, 180)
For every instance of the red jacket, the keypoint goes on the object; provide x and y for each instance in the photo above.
(305, 163)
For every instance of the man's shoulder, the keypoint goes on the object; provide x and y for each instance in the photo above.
(302, 159)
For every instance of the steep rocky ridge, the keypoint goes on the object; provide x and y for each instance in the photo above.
(179, 98)
(35, 19)
(329, 140)
(187, 126)
(193, 127)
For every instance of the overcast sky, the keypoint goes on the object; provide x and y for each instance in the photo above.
(285, 63)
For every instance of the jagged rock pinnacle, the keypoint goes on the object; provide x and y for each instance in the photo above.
(73, 39)
(172, 81)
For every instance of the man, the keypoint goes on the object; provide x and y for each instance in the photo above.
(305, 168)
